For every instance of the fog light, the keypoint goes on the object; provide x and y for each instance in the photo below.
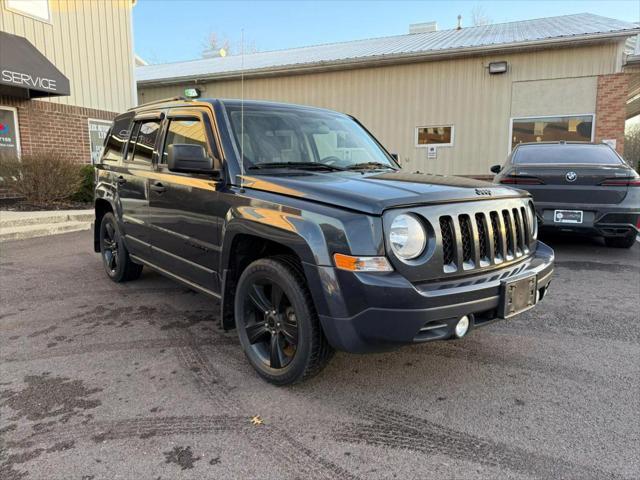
(462, 327)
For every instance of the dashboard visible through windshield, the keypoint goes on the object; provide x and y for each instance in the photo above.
(299, 138)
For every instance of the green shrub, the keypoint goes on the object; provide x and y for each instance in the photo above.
(43, 179)
(84, 194)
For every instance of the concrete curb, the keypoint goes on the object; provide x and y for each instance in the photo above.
(23, 225)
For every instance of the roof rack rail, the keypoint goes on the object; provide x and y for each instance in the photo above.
(163, 100)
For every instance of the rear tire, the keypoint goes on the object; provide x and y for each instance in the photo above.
(277, 323)
(621, 242)
(115, 256)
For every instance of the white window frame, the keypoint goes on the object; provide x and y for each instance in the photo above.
(592, 115)
(425, 145)
(15, 122)
(30, 15)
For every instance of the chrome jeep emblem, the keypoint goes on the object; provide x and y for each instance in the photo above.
(483, 191)
(571, 176)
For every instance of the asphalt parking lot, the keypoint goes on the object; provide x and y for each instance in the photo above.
(135, 381)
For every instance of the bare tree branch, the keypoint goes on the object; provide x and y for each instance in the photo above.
(479, 16)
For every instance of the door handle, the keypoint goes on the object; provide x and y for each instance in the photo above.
(158, 187)
(121, 180)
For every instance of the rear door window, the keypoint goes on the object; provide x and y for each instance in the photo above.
(117, 138)
(142, 145)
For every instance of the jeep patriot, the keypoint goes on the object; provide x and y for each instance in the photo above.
(308, 232)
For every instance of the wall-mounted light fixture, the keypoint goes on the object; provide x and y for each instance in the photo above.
(498, 67)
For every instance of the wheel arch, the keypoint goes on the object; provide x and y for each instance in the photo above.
(246, 241)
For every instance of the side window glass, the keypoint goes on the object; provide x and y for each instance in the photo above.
(115, 141)
(145, 141)
(190, 131)
(132, 141)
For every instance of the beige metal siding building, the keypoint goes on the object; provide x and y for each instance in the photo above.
(471, 117)
(66, 69)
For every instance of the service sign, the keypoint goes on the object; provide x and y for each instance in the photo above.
(25, 80)
(9, 140)
(98, 130)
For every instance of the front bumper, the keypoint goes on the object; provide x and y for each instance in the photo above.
(368, 312)
(603, 220)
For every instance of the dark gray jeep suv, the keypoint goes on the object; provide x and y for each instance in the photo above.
(308, 232)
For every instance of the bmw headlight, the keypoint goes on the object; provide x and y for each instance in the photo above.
(407, 236)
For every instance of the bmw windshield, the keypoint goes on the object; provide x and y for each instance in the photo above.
(295, 137)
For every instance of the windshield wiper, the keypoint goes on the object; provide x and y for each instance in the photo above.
(369, 166)
(298, 165)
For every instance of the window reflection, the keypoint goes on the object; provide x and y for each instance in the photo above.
(550, 129)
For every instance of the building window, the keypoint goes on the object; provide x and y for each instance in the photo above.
(441, 136)
(98, 131)
(34, 8)
(575, 128)
(9, 136)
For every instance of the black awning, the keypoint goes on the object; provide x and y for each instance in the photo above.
(25, 72)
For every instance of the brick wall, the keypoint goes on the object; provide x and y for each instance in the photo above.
(611, 108)
(53, 127)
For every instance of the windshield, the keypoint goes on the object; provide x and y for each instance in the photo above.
(578, 154)
(298, 138)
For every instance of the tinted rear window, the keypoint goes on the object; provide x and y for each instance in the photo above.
(118, 136)
(589, 154)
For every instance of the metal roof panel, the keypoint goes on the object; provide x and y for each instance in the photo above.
(429, 43)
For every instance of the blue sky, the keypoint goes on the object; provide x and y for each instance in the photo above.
(169, 31)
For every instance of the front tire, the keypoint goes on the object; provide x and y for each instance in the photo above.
(114, 253)
(277, 323)
(621, 242)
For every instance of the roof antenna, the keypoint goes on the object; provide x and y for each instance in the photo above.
(459, 22)
(242, 111)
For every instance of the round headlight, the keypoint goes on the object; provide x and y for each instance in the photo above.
(407, 236)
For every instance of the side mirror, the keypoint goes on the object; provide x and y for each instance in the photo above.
(187, 158)
(394, 156)
(496, 168)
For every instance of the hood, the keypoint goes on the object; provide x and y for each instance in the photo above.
(375, 193)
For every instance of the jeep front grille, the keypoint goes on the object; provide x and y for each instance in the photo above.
(493, 237)
(497, 236)
(467, 239)
(483, 241)
(446, 229)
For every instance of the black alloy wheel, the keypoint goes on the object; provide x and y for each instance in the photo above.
(110, 248)
(277, 323)
(115, 257)
(271, 325)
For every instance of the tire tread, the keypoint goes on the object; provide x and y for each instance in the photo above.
(321, 352)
